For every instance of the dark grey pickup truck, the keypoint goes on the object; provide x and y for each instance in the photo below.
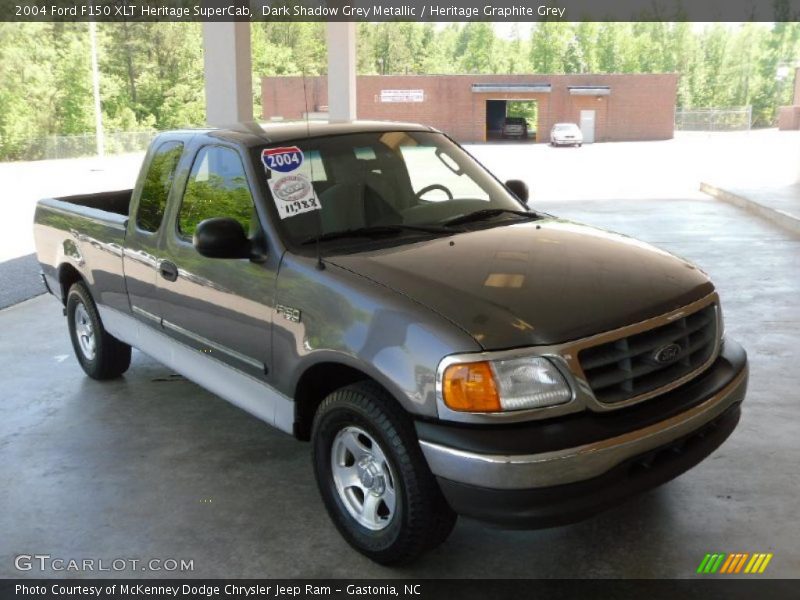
(370, 287)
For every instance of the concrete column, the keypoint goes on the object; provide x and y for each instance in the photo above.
(228, 73)
(342, 72)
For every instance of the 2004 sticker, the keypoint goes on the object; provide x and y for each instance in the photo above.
(283, 160)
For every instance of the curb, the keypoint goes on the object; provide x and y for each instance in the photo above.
(777, 216)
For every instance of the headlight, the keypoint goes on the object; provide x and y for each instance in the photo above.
(504, 385)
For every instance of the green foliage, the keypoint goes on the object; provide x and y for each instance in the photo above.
(152, 73)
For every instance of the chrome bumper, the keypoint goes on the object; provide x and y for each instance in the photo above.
(504, 472)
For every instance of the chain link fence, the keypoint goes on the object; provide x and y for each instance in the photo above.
(714, 119)
(76, 146)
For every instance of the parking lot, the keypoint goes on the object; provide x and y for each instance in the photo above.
(152, 466)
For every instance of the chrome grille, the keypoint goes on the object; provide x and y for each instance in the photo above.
(627, 367)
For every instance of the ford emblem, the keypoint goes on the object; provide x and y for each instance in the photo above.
(667, 354)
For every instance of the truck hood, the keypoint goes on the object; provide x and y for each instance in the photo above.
(534, 283)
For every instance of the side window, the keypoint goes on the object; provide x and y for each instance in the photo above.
(156, 186)
(217, 187)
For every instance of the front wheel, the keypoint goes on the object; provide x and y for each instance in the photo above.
(101, 355)
(373, 478)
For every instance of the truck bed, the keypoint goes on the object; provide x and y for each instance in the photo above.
(85, 233)
(115, 202)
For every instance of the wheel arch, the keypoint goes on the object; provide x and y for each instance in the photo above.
(317, 382)
(68, 275)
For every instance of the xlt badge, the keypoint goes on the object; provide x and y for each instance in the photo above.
(288, 313)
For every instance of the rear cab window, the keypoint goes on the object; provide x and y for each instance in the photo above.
(157, 184)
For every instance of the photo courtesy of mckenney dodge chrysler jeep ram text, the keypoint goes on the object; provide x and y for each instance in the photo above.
(370, 287)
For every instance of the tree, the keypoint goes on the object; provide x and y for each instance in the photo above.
(550, 41)
(476, 48)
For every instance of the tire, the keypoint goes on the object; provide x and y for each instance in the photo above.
(360, 435)
(100, 355)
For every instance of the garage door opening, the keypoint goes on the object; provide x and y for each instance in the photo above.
(511, 120)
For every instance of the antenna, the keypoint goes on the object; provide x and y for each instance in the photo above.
(320, 264)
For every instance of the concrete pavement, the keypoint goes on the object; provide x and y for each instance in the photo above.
(20, 280)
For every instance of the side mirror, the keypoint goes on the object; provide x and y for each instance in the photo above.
(519, 188)
(222, 237)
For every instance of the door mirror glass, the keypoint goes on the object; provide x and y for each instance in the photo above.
(519, 188)
(222, 237)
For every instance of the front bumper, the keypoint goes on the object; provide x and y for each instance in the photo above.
(521, 475)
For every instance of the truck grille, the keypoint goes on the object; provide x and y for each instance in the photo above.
(627, 367)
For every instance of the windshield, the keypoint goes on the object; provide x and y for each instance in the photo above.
(377, 179)
(566, 128)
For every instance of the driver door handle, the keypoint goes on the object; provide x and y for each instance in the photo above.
(168, 270)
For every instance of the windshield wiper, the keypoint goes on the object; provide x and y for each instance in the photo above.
(486, 213)
(375, 230)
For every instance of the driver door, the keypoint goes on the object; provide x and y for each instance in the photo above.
(221, 307)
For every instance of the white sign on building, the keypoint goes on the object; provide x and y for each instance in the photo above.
(402, 95)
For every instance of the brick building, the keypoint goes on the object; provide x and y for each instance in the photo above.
(472, 107)
(789, 116)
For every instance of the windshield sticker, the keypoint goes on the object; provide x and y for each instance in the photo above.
(283, 160)
(293, 195)
(292, 191)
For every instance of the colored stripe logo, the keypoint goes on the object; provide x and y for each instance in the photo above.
(737, 562)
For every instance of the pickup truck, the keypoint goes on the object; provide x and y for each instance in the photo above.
(371, 288)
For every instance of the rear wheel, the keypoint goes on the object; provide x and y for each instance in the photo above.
(101, 355)
(373, 478)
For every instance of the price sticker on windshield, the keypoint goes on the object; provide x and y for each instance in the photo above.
(292, 192)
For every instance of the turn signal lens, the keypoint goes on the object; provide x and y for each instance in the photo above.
(504, 385)
(470, 387)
